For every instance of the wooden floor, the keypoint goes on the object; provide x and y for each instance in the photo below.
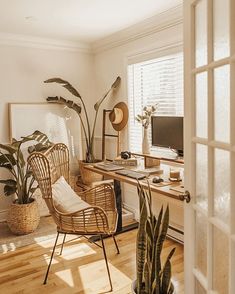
(81, 268)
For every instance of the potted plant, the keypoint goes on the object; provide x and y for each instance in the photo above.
(88, 130)
(145, 120)
(152, 276)
(23, 215)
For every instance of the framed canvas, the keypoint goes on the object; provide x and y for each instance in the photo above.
(59, 123)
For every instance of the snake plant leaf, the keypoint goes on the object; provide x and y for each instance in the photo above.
(146, 277)
(141, 238)
(65, 84)
(164, 228)
(69, 103)
(166, 273)
(114, 86)
(171, 290)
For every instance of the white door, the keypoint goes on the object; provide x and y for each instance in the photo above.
(209, 37)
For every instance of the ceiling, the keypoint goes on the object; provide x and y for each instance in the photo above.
(76, 20)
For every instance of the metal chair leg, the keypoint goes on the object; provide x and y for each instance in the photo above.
(52, 254)
(106, 261)
(115, 242)
(62, 245)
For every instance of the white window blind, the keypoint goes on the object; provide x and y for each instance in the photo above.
(154, 81)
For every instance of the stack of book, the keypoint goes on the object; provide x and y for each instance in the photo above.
(125, 162)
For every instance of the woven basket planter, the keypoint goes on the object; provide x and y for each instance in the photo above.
(23, 219)
(88, 177)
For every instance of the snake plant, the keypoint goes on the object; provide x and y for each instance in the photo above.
(152, 276)
(77, 107)
(21, 182)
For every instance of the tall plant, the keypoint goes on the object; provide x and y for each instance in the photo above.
(12, 159)
(152, 276)
(89, 131)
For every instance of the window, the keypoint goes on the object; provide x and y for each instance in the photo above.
(154, 81)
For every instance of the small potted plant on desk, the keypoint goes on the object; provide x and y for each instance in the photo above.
(23, 215)
(152, 277)
(87, 176)
(145, 120)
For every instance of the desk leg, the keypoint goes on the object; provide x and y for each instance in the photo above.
(118, 194)
(120, 229)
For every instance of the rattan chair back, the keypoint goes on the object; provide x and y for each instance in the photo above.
(48, 167)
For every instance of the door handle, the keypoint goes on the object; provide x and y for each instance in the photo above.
(185, 196)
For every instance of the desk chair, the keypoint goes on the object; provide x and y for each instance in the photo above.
(92, 212)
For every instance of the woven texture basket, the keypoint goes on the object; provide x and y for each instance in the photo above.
(88, 177)
(23, 219)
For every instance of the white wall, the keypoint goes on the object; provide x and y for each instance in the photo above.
(162, 35)
(24, 68)
(22, 72)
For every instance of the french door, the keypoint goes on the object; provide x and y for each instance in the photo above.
(209, 50)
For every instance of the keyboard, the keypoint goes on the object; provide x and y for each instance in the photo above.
(108, 166)
(131, 174)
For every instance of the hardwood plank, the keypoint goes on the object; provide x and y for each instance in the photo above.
(81, 268)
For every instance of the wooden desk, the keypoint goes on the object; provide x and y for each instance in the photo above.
(162, 196)
(165, 190)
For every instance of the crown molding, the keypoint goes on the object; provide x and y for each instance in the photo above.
(43, 43)
(157, 23)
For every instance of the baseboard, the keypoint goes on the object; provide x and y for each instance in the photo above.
(3, 215)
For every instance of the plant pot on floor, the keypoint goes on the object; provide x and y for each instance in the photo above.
(23, 219)
(88, 177)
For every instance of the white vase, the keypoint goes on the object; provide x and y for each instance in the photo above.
(145, 143)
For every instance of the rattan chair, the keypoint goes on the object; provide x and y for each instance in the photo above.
(99, 218)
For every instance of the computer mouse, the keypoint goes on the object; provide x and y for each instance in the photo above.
(157, 180)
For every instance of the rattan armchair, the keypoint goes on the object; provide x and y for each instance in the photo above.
(98, 218)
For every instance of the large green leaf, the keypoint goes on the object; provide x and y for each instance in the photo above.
(7, 161)
(65, 84)
(114, 86)
(69, 103)
(10, 186)
(37, 136)
(9, 148)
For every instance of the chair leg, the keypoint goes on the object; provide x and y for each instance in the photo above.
(106, 261)
(115, 242)
(52, 254)
(62, 245)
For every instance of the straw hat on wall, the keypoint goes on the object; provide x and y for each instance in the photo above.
(119, 116)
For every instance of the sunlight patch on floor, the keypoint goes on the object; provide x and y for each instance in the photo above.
(66, 276)
(92, 278)
(77, 250)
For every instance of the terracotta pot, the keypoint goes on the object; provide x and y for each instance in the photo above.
(23, 219)
(88, 177)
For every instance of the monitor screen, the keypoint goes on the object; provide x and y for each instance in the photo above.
(167, 131)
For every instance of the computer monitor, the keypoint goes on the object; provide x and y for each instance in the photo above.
(168, 131)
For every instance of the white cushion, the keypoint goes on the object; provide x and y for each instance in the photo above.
(65, 199)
